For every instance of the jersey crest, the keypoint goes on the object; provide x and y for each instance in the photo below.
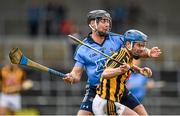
(100, 64)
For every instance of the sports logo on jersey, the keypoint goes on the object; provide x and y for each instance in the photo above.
(100, 64)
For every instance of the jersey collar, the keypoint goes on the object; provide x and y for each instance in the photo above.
(91, 41)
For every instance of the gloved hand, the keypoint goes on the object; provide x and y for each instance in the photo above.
(146, 71)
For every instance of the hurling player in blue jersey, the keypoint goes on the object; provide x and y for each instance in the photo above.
(92, 62)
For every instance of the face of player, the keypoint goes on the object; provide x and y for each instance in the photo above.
(138, 48)
(101, 26)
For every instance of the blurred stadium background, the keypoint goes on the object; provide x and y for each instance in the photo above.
(39, 29)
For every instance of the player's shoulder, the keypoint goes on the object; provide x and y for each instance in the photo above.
(116, 36)
(81, 48)
(85, 40)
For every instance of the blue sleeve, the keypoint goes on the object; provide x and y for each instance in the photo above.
(78, 57)
(121, 41)
(79, 64)
(118, 39)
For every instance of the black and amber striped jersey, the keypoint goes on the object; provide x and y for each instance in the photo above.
(113, 88)
(12, 78)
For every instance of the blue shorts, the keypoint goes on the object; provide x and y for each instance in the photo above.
(86, 104)
(128, 99)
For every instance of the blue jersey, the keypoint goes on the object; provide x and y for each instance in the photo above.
(94, 62)
(136, 84)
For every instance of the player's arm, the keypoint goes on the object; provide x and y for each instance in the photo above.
(113, 72)
(75, 75)
(154, 52)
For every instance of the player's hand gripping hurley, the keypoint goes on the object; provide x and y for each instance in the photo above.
(17, 57)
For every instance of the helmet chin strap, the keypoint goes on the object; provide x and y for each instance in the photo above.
(130, 49)
(131, 46)
(92, 28)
